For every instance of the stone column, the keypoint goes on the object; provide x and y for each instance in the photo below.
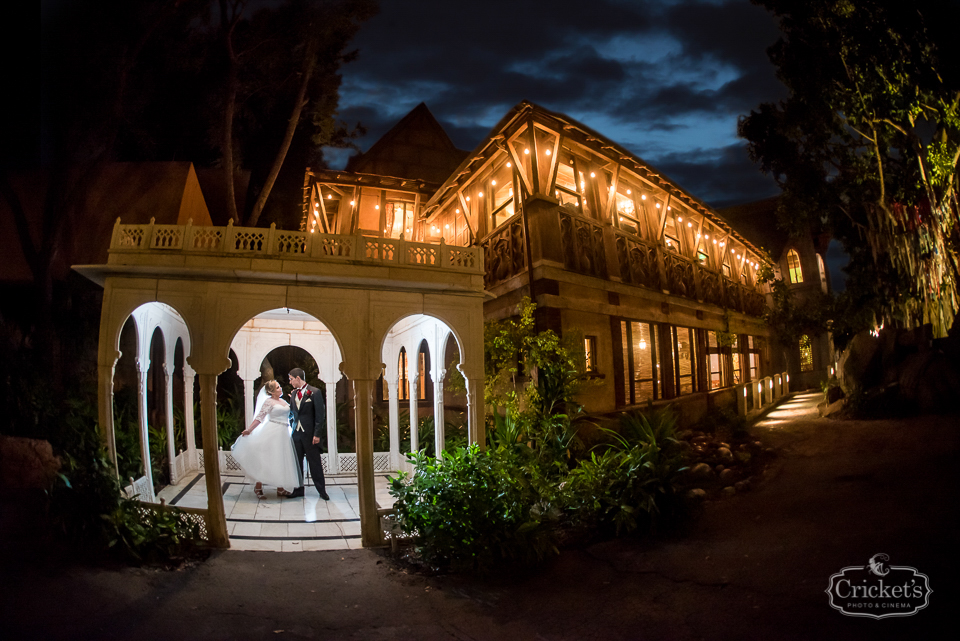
(168, 405)
(333, 455)
(476, 429)
(188, 418)
(394, 418)
(786, 383)
(107, 428)
(363, 410)
(414, 419)
(216, 521)
(142, 372)
(767, 390)
(439, 438)
(249, 400)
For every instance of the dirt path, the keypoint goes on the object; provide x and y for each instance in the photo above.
(755, 566)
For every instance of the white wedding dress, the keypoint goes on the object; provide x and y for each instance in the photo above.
(267, 454)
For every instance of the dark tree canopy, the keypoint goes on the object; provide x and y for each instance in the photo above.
(868, 143)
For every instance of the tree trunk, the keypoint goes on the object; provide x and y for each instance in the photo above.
(309, 65)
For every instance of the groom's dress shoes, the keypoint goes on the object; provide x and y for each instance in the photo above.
(324, 495)
(297, 493)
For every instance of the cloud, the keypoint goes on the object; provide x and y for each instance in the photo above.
(671, 75)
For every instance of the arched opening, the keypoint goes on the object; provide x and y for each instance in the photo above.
(153, 343)
(422, 400)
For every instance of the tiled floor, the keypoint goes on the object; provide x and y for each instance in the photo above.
(283, 525)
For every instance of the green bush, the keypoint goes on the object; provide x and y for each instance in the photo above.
(89, 513)
(632, 482)
(473, 510)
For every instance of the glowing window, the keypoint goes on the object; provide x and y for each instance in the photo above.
(806, 354)
(793, 264)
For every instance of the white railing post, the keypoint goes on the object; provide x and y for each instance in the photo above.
(188, 236)
(148, 233)
(270, 240)
(741, 392)
(228, 242)
(115, 238)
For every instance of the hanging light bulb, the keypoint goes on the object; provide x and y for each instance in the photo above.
(593, 175)
(352, 203)
(526, 152)
(458, 210)
(547, 152)
(509, 165)
(658, 205)
(481, 194)
(679, 218)
(689, 224)
(329, 196)
(643, 197)
(493, 182)
(376, 206)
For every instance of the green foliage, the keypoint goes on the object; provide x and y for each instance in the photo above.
(88, 512)
(632, 481)
(868, 144)
(473, 510)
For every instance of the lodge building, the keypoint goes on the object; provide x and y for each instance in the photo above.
(662, 288)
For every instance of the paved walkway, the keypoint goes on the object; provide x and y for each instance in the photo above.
(755, 566)
(273, 524)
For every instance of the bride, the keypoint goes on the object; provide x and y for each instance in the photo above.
(264, 450)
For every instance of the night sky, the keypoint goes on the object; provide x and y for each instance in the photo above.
(665, 78)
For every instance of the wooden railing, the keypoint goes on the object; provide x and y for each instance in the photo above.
(276, 243)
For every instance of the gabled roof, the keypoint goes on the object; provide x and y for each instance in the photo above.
(416, 147)
(587, 137)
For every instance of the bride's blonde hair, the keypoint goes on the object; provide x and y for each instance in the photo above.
(271, 385)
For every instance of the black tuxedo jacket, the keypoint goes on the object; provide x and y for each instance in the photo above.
(310, 414)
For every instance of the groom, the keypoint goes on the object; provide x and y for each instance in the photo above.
(308, 416)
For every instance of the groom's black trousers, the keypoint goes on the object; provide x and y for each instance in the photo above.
(304, 447)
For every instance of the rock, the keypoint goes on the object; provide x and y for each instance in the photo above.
(724, 453)
(701, 471)
(741, 486)
(833, 408)
(743, 457)
(719, 469)
(27, 463)
(696, 494)
(683, 435)
(769, 451)
(727, 476)
(860, 362)
(757, 444)
(834, 394)
(729, 490)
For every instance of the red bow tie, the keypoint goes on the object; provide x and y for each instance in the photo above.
(300, 394)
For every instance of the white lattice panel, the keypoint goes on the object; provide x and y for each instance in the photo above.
(167, 238)
(130, 236)
(291, 243)
(249, 241)
(206, 238)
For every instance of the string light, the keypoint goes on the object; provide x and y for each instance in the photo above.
(447, 226)
(352, 203)
(509, 165)
(493, 182)
(481, 194)
(593, 175)
(468, 198)
(690, 225)
(628, 193)
(643, 197)
(329, 196)
(547, 152)
(658, 205)
(458, 210)
(526, 151)
(376, 206)
(679, 218)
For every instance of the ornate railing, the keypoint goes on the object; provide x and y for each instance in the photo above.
(278, 243)
(582, 245)
(638, 262)
(504, 253)
(679, 272)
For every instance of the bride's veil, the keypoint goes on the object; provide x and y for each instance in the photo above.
(261, 399)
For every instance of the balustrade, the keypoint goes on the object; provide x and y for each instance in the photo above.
(504, 253)
(582, 245)
(277, 243)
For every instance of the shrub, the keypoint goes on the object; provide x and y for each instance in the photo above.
(632, 482)
(473, 510)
